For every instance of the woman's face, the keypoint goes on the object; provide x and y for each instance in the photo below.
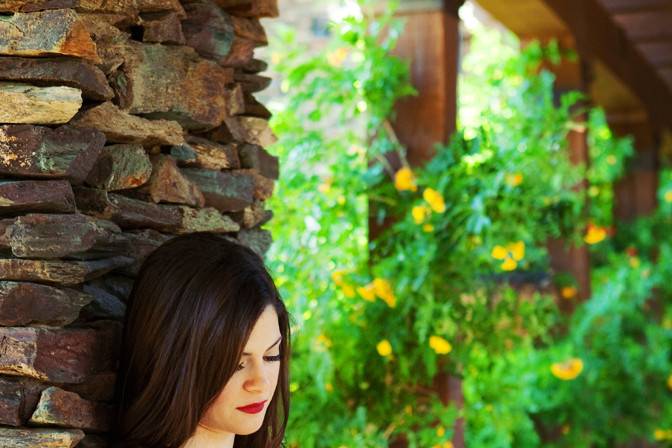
(253, 382)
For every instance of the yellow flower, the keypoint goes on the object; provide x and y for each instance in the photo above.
(293, 387)
(662, 434)
(384, 348)
(568, 292)
(595, 234)
(514, 179)
(517, 250)
(511, 254)
(367, 292)
(499, 253)
(348, 291)
(405, 180)
(509, 264)
(337, 277)
(669, 382)
(568, 369)
(440, 345)
(337, 57)
(324, 340)
(434, 199)
(383, 290)
(427, 228)
(668, 196)
(634, 262)
(329, 387)
(447, 444)
(420, 213)
(440, 431)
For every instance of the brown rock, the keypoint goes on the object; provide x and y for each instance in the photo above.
(250, 29)
(235, 100)
(103, 306)
(250, 8)
(255, 66)
(34, 438)
(111, 43)
(118, 285)
(263, 186)
(97, 387)
(206, 219)
(65, 355)
(120, 167)
(202, 153)
(39, 235)
(144, 241)
(250, 130)
(127, 212)
(168, 184)
(252, 83)
(67, 409)
(25, 103)
(34, 5)
(165, 29)
(58, 71)
(94, 441)
(49, 196)
(59, 272)
(240, 54)
(25, 35)
(258, 240)
(121, 127)
(121, 12)
(171, 82)
(24, 303)
(226, 191)
(253, 216)
(149, 6)
(37, 151)
(216, 35)
(254, 108)
(256, 157)
(11, 402)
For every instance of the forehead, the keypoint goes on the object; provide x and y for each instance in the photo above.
(265, 332)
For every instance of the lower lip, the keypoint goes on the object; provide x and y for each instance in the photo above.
(253, 409)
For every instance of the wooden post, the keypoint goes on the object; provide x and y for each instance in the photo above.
(636, 193)
(565, 257)
(430, 43)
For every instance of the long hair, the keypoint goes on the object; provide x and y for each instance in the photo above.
(189, 315)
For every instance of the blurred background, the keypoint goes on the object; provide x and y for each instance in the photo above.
(473, 223)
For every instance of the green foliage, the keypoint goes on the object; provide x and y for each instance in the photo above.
(445, 289)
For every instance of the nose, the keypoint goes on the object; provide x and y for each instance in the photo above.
(258, 379)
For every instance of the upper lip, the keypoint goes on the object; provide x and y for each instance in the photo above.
(253, 404)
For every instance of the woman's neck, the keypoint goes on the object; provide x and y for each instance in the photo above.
(205, 437)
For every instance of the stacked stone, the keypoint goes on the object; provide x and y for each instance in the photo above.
(122, 124)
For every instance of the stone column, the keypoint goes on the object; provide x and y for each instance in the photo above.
(123, 124)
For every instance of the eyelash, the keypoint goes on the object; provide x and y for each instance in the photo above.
(267, 358)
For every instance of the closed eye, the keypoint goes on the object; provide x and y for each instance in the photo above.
(267, 358)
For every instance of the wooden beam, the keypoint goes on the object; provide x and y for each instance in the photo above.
(647, 26)
(599, 37)
(626, 6)
(659, 54)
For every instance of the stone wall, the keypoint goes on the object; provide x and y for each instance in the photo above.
(122, 124)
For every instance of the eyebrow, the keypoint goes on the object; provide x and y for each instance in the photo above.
(274, 344)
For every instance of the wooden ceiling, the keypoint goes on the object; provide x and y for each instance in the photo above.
(628, 43)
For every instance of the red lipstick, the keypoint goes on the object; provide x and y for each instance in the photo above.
(253, 408)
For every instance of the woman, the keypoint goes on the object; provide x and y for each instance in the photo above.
(205, 351)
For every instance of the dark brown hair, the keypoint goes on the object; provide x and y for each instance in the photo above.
(190, 313)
